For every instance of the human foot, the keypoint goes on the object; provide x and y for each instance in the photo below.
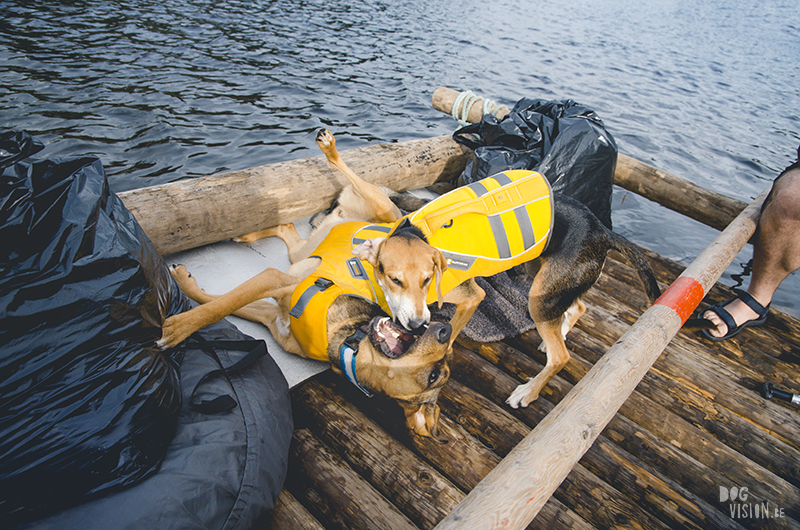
(732, 316)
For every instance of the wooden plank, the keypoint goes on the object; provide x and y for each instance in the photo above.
(417, 489)
(194, 212)
(288, 514)
(336, 494)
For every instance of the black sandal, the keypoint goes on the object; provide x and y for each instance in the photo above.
(726, 317)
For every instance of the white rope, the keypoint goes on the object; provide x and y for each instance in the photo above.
(468, 98)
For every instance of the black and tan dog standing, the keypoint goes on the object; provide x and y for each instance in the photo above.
(404, 357)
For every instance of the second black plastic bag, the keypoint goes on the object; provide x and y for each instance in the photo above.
(564, 140)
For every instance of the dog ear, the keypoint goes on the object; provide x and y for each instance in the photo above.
(368, 250)
(423, 419)
(439, 266)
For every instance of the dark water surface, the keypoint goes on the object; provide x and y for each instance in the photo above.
(166, 90)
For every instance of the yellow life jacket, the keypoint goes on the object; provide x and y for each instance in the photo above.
(482, 229)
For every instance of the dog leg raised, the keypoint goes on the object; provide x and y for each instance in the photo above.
(466, 297)
(376, 202)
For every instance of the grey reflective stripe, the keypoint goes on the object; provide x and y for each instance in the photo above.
(318, 286)
(502, 179)
(478, 188)
(525, 226)
(376, 228)
(500, 238)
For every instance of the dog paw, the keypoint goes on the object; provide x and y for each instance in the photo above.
(171, 334)
(522, 396)
(184, 278)
(246, 238)
(325, 139)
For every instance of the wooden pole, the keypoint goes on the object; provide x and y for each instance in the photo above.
(513, 492)
(193, 212)
(673, 192)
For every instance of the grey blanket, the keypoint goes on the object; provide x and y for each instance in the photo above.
(504, 311)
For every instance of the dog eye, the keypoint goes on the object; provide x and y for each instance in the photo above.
(397, 282)
(426, 282)
(434, 376)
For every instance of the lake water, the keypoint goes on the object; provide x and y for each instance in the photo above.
(166, 90)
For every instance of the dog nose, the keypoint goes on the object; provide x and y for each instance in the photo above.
(417, 326)
(443, 332)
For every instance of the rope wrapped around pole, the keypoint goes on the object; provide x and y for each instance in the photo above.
(511, 495)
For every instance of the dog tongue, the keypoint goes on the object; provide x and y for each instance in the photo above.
(394, 337)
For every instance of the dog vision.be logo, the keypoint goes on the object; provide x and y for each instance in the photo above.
(741, 506)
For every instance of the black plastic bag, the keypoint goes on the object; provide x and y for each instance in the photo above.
(87, 404)
(563, 140)
(222, 471)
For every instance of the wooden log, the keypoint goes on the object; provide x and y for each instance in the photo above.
(607, 507)
(339, 496)
(422, 493)
(194, 212)
(777, 338)
(693, 470)
(693, 488)
(716, 385)
(737, 372)
(755, 445)
(288, 514)
(514, 492)
(444, 98)
(677, 194)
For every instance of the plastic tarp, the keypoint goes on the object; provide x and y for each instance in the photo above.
(89, 408)
(563, 140)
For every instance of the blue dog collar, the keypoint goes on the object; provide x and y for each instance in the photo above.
(347, 359)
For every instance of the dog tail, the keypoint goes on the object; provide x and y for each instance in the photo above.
(640, 263)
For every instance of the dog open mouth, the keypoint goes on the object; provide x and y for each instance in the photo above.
(391, 339)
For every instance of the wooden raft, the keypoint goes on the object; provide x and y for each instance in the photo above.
(695, 424)
(694, 428)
